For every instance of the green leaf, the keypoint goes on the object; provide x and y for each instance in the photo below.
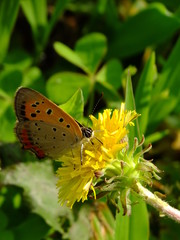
(39, 184)
(70, 55)
(8, 14)
(110, 94)
(18, 59)
(7, 234)
(161, 107)
(154, 137)
(75, 105)
(139, 221)
(144, 93)
(151, 26)
(32, 11)
(39, 228)
(135, 226)
(166, 92)
(58, 10)
(91, 49)
(130, 105)
(122, 225)
(3, 220)
(34, 78)
(141, 214)
(10, 81)
(36, 14)
(111, 73)
(88, 52)
(5, 101)
(169, 77)
(7, 123)
(61, 86)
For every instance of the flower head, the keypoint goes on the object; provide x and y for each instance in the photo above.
(99, 154)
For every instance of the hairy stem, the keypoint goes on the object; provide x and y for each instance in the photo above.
(158, 203)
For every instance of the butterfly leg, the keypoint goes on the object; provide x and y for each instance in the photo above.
(82, 148)
(72, 153)
(73, 157)
(99, 140)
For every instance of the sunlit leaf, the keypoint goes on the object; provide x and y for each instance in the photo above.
(75, 105)
(91, 49)
(69, 55)
(111, 73)
(61, 86)
(39, 184)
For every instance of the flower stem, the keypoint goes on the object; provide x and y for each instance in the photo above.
(158, 203)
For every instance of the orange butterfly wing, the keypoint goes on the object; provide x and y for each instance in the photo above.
(35, 112)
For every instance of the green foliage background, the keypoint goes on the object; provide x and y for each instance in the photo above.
(59, 47)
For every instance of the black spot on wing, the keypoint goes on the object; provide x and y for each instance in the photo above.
(33, 115)
(23, 113)
(49, 111)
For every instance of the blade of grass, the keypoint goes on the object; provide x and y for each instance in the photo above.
(8, 14)
(166, 92)
(144, 92)
(130, 105)
(128, 225)
(58, 9)
(36, 14)
(121, 225)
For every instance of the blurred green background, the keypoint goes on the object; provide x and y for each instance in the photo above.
(59, 47)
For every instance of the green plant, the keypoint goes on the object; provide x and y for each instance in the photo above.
(69, 45)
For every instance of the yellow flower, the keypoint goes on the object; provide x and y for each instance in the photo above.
(76, 179)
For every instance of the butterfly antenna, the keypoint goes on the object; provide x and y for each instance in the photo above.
(102, 94)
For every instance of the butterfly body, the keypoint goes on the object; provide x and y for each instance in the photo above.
(43, 127)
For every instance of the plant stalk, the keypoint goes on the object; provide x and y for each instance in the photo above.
(163, 207)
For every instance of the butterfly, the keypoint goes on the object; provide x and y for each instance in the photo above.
(44, 128)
